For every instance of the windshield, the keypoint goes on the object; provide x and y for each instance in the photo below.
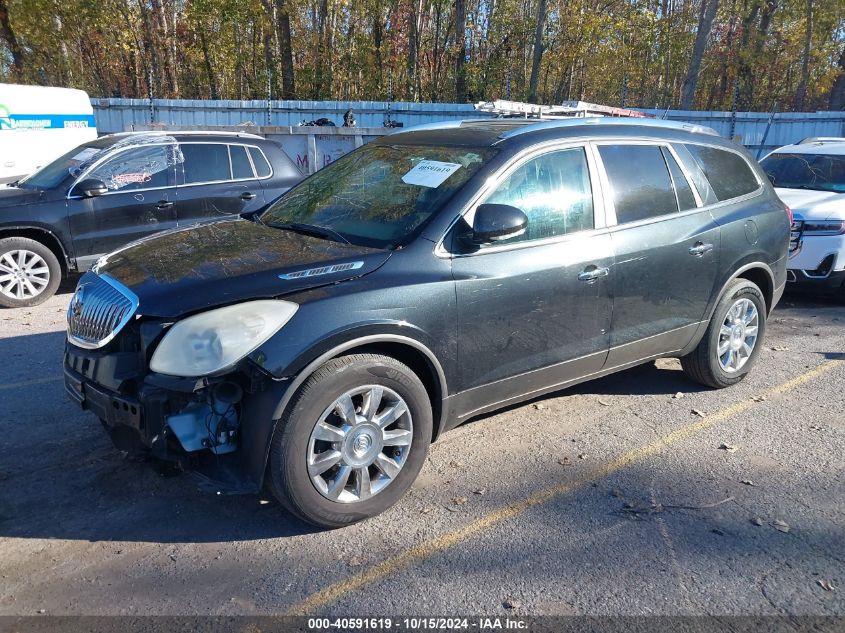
(821, 172)
(70, 164)
(379, 195)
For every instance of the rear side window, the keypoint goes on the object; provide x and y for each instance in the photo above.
(683, 190)
(241, 167)
(729, 174)
(262, 167)
(206, 162)
(642, 187)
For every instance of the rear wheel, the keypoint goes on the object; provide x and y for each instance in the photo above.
(352, 440)
(732, 342)
(29, 272)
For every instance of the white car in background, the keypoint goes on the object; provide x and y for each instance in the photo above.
(810, 178)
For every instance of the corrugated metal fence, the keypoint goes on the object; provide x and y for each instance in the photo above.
(118, 115)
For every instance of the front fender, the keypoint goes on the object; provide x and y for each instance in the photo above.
(263, 411)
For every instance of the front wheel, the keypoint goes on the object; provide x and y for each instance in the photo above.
(352, 441)
(732, 342)
(29, 272)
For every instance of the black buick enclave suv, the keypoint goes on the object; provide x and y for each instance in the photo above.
(425, 278)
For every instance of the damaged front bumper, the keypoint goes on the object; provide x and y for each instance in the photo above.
(196, 423)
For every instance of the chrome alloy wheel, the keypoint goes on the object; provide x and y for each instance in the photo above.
(738, 335)
(360, 444)
(23, 274)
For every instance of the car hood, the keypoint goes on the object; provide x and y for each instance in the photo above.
(189, 270)
(814, 205)
(17, 197)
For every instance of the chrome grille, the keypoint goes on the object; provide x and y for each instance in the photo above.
(795, 236)
(99, 309)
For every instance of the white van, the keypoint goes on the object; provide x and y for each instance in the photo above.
(38, 124)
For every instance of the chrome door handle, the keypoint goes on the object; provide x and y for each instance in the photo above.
(591, 273)
(247, 196)
(700, 248)
(164, 204)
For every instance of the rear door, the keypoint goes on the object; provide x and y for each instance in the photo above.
(534, 311)
(215, 181)
(139, 201)
(666, 249)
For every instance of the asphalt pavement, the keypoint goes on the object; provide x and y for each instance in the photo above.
(638, 494)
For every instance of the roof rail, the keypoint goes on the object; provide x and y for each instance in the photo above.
(821, 140)
(564, 123)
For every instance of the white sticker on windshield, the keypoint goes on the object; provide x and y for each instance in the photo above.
(85, 154)
(430, 173)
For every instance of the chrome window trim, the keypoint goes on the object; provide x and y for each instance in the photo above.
(217, 182)
(130, 314)
(109, 155)
(516, 161)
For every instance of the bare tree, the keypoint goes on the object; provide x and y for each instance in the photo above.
(538, 51)
(705, 23)
(460, 50)
(11, 41)
(837, 93)
(801, 94)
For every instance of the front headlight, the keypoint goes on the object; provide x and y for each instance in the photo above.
(215, 340)
(824, 227)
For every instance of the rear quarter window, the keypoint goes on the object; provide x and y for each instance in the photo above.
(729, 174)
(262, 167)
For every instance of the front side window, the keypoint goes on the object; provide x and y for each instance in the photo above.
(140, 168)
(639, 180)
(728, 172)
(379, 195)
(553, 190)
(206, 162)
(819, 172)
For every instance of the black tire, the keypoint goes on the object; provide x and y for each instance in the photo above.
(11, 244)
(289, 480)
(702, 364)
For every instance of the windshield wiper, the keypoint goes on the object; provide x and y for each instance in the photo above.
(311, 229)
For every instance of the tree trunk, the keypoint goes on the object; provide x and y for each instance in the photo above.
(801, 94)
(837, 93)
(206, 56)
(11, 41)
(705, 23)
(538, 51)
(460, 50)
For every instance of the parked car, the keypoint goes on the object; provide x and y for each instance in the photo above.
(426, 278)
(120, 188)
(810, 177)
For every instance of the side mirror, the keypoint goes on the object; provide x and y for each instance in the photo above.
(496, 222)
(91, 188)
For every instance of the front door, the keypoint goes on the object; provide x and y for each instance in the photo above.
(534, 311)
(216, 181)
(140, 201)
(666, 247)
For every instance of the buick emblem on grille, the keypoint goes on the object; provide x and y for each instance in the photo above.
(76, 308)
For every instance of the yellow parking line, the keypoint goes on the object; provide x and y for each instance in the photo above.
(29, 383)
(438, 544)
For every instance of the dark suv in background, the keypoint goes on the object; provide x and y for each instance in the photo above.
(119, 188)
(428, 277)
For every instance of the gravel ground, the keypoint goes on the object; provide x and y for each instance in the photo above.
(610, 498)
